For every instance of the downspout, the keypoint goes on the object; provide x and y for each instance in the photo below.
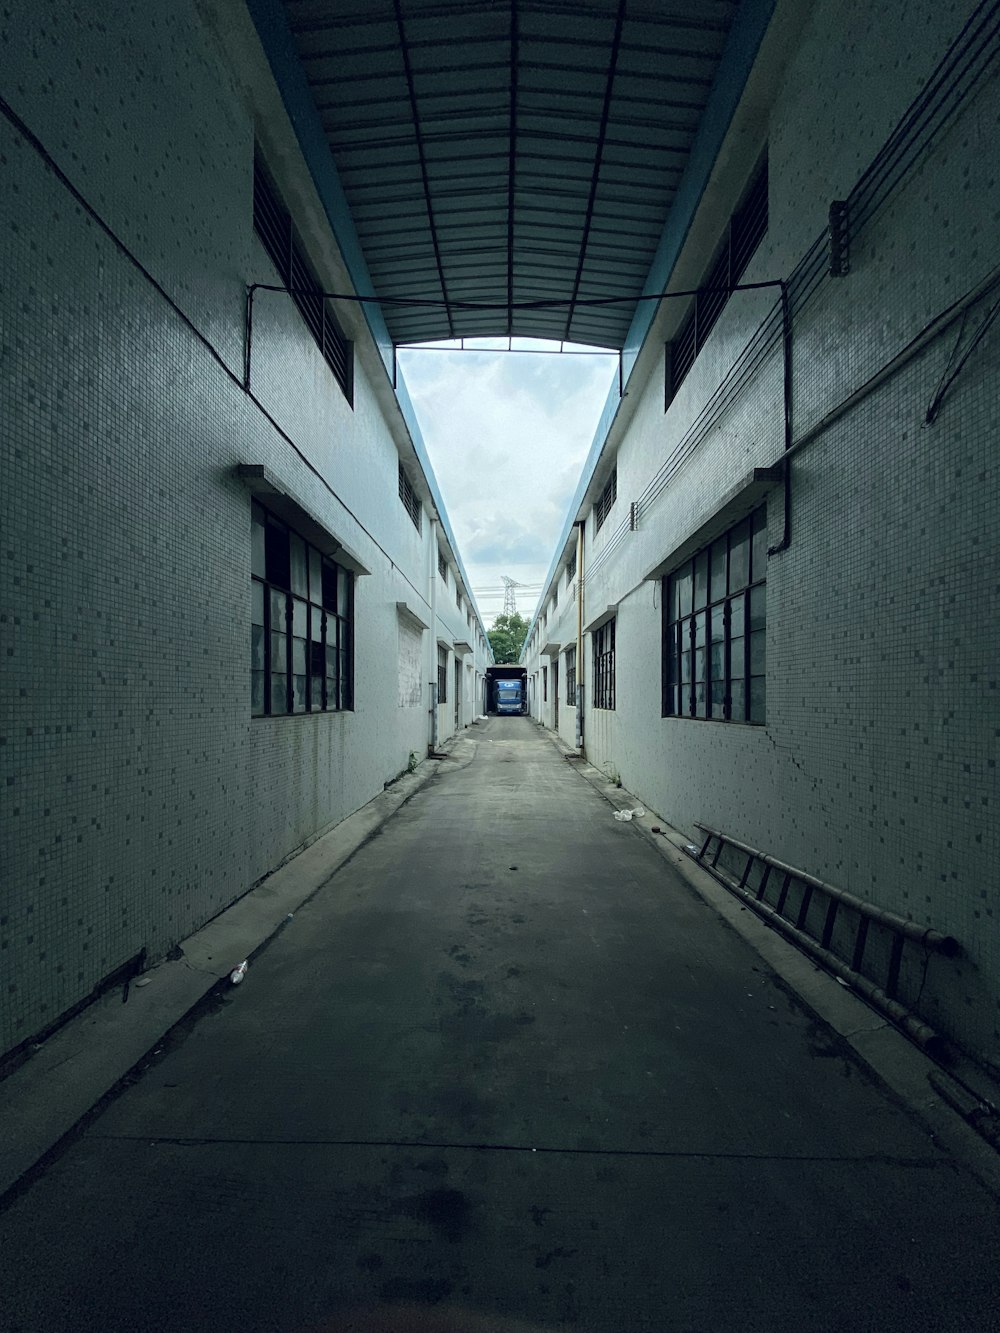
(432, 599)
(579, 636)
(786, 354)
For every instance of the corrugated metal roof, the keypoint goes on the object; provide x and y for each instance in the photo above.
(504, 152)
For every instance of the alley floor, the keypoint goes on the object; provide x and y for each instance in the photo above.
(505, 1062)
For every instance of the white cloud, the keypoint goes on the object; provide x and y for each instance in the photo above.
(507, 435)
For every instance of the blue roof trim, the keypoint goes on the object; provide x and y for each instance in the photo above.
(738, 55)
(420, 449)
(279, 47)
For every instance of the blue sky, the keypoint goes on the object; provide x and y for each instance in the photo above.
(507, 434)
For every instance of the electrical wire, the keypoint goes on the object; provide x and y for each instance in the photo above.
(21, 128)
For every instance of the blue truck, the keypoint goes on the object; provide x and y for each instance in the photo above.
(507, 690)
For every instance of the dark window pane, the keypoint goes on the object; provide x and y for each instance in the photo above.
(278, 603)
(701, 580)
(315, 575)
(684, 581)
(299, 656)
(257, 647)
(257, 603)
(701, 629)
(299, 694)
(277, 554)
(257, 693)
(757, 652)
(316, 698)
(718, 698)
(673, 598)
(258, 560)
(737, 667)
(718, 570)
(758, 607)
(685, 659)
(299, 566)
(739, 556)
(331, 656)
(758, 699)
(737, 610)
(279, 701)
(700, 700)
(737, 693)
(718, 624)
(317, 659)
(329, 586)
(300, 618)
(758, 569)
(718, 661)
(332, 701)
(279, 649)
(343, 590)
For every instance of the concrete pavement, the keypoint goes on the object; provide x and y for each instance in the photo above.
(508, 1061)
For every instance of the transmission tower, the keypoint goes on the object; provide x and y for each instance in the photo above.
(509, 600)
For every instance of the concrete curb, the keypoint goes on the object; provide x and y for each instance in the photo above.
(45, 1099)
(906, 1070)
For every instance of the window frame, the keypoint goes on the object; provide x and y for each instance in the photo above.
(276, 230)
(305, 599)
(603, 688)
(732, 611)
(442, 675)
(607, 499)
(745, 230)
(571, 675)
(409, 498)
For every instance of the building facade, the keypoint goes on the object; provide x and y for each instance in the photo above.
(232, 596)
(789, 520)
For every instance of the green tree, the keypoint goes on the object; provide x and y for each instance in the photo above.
(507, 637)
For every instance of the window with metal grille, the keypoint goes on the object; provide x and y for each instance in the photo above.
(608, 496)
(442, 675)
(604, 666)
(302, 624)
(545, 685)
(571, 675)
(408, 495)
(458, 597)
(274, 226)
(442, 565)
(714, 628)
(744, 233)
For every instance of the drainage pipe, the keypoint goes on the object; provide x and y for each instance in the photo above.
(432, 575)
(579, 636)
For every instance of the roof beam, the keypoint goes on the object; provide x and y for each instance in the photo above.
(398, 8)
(605, 114)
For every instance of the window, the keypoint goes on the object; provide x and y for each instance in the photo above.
(408, 495)
(273, 224)
(545, 685)
(442, 675)
(745, 232)
(608, 496)
(555, 597)
(604, 666)
(442, 565)
(714, 616)
(458, 597)
(571, 675)
(302, 624)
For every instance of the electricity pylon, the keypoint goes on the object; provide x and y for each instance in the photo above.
(509, 601)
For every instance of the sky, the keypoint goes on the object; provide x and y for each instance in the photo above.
(507, 434)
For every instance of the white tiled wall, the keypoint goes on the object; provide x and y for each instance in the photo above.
(139, 796)
(877, 767)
